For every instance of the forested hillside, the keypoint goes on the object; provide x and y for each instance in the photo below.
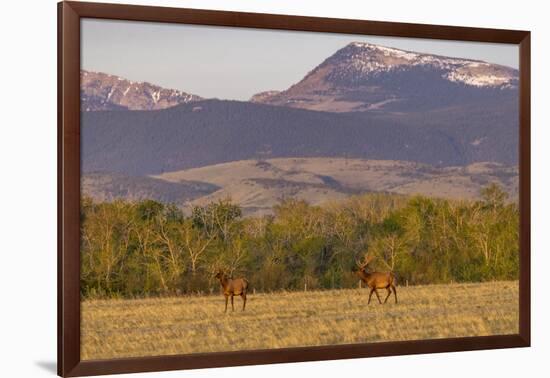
(211, 132)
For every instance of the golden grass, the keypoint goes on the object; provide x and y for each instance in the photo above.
(179, 325)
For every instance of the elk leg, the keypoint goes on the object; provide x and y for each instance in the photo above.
(394, 292)
(370, 295)
(389, 293)
(226, 298)
(232, 306)
(377, 296)
(243, 295)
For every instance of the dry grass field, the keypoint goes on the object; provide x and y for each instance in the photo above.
(163, 326)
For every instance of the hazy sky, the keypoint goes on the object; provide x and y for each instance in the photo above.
(232, 63)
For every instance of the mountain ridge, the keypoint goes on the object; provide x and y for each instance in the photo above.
(102, 91)
(367, 77)
(215, 131)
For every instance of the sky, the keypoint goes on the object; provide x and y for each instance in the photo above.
(236, 63)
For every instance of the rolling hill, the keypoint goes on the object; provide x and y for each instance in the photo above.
(257, 185)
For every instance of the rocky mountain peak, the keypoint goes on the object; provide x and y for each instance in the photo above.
(359, 61)
(101, 91)
(364, 76)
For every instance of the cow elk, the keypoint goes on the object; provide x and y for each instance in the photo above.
(232, 287)
(376, 280)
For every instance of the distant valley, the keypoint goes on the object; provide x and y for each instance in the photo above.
(112, 186)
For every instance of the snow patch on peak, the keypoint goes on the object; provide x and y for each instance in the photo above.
(478, 141)
(156, 96)
(362, 60)
(385, 50)
(477, 80)
(363, 45)
(110, 93)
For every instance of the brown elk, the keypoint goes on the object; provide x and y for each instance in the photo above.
(232, 287)
(376, 280)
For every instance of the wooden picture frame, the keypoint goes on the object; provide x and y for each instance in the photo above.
(69, 16)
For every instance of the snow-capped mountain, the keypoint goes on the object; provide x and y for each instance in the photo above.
(101, 91)
(367, 77)
(362, 60)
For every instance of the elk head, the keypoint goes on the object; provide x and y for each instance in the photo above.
(220, 274)
(362, 265)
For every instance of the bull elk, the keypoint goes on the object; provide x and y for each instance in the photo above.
(232, 287)
(376, 280)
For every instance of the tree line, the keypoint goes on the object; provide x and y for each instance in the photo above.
(134, 249)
